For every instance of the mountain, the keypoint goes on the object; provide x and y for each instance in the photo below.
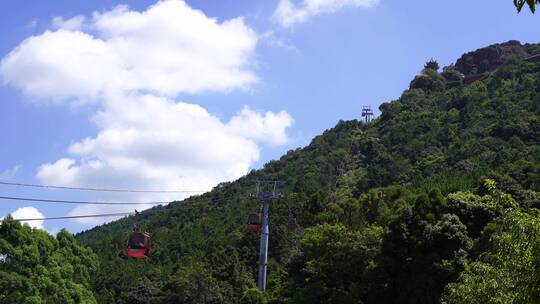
(404, 209)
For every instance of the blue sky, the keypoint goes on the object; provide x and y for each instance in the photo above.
(282, 78)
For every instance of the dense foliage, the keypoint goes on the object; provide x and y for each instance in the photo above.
(530, 3)
(433, 201)
(37, 268)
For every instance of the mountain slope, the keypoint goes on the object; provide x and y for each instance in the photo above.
(379, 205)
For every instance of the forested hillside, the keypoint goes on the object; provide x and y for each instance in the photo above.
(37, 268)
(434, 201)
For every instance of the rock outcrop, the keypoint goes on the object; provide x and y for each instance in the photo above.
(489, 58)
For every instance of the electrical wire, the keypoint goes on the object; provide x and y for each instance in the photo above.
(87, 216)
(100, 189)
(73, 216)
(227, 197)
(76, 202)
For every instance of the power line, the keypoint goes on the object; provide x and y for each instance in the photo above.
(92, 215)
(76, 202)
(79, 216)
(73, 216)
(100, 189)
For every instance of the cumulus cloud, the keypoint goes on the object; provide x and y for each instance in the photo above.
(150, 142)
(74, 23)
(269, 127)
(130, 66)
(288, 13)
(156, 143)
(29, 213)
(168, 49)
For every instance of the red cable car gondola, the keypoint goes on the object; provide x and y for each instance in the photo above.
(254, 223)
(292, 224)
(138, 245)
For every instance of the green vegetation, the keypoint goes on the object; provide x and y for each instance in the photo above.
(435, 201)
(37, 268)
(530, 3)
(508, 272)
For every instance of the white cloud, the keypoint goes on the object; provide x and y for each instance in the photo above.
(287, 13)
(29, 213)
(269, 38)
(131, 65)
(72, 24)
(149, 142)
(168, 49)
(270, 127)
(153, 142)
(9, 173)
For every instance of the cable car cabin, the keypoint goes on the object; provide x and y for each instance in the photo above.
(254, 223)
(292, 224)
(138, 245)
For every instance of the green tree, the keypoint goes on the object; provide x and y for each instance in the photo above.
(192, 285)
(253, 296)
(530, 3)
(510, 272)
(336, 262)
(143, 293)
(424, 250)
(37, 268)
(429, 80)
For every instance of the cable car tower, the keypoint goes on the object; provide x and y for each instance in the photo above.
(367, 113)
(266, 191)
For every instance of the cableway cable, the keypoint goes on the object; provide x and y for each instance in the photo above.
(227, 197)
(73, 216)
(100, 189)
(76, 202)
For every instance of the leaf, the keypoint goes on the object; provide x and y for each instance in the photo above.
(519, 4)
(532, 4)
